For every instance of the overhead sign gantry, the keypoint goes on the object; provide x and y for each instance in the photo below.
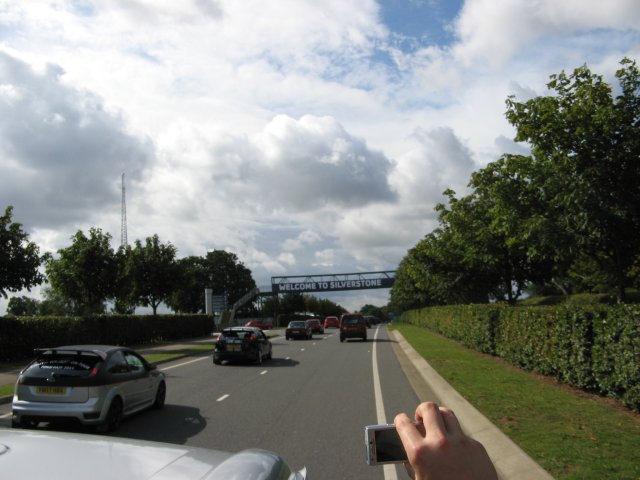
(332, 282)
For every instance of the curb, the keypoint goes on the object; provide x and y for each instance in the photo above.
(508, 458)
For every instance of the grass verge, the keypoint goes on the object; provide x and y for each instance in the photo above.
(164, 356)
(571, 434)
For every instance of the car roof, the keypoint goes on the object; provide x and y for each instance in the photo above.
(242, 329)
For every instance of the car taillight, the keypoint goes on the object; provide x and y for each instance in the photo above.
(252, 337)
(94, 371)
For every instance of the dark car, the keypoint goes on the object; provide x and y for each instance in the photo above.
(92, 384)
(353, 325)
(242, 343)
(298, 329)
(331, 322)
(316, 326)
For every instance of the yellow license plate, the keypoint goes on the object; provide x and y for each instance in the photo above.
(51, 390)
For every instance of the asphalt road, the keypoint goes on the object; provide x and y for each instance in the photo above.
(309, 404)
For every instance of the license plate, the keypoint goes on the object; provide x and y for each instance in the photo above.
(233, 348)
(51, 390)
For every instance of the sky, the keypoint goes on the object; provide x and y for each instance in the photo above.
(306, 137)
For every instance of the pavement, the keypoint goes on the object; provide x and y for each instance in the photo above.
(511, 461)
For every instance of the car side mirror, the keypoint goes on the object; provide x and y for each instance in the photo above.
(152, 366)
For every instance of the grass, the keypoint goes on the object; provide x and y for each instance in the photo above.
(6, 390)
(571, 434)
(164, 356)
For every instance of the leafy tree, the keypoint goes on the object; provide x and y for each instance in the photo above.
(586, 145)
(22, 306)
(219, 270)
(55, 304)
(188, 296)
(227, 274)
(153, 271)
(86, 272)
(19, 258)
(124, 304)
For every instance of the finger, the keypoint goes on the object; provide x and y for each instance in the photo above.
(451, 422)
(407, 431)
(429, 414)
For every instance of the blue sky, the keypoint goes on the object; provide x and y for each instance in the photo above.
(306, 137)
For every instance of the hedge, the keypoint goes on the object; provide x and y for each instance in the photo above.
(595, 348)
(20, 335)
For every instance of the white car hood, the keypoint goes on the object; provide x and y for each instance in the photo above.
(57, 455)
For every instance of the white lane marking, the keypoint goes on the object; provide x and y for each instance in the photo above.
(6, 415)
(388, 470)
(185, 363)
(223, 397)
(287, 358)
(302, 349)
(263, 372)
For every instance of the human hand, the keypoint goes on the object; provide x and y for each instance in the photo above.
(444, 451)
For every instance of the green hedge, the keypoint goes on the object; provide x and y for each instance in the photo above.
(595, 347)
(20, 335)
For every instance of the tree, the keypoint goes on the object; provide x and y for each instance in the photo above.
(586, 147)
(123, 304)
(86, 272)
(228, 275)
(219, 270)
(22, 306)
(188, 297)
(19, 258)
(54, 304)
(153, 271)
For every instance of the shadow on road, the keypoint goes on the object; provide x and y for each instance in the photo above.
(172, 424)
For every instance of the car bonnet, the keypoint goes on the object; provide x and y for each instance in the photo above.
(69, 456)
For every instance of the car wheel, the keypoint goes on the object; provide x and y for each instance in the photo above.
(341, 338)
(364, 339)
(270, 354)
(259, 357)
(217, 361)
(161, 395)
(114, 416)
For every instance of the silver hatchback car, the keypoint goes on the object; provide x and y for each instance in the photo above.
(93, 384)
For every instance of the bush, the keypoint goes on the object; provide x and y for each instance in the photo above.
(592, 347)
(20, 335)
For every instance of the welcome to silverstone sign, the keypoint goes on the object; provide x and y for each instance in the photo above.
(330, 283)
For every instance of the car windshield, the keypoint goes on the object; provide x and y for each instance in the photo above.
(351, 320)
(297, 325)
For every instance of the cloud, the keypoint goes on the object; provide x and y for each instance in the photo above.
(302, 165)
(492, 31)
(62, 152)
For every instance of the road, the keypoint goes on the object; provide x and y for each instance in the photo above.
(309, 404)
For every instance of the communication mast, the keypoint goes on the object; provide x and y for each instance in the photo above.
(123, 222)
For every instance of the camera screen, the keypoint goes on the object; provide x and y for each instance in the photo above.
(389, 447)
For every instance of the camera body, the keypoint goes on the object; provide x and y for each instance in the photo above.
(383, 444)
